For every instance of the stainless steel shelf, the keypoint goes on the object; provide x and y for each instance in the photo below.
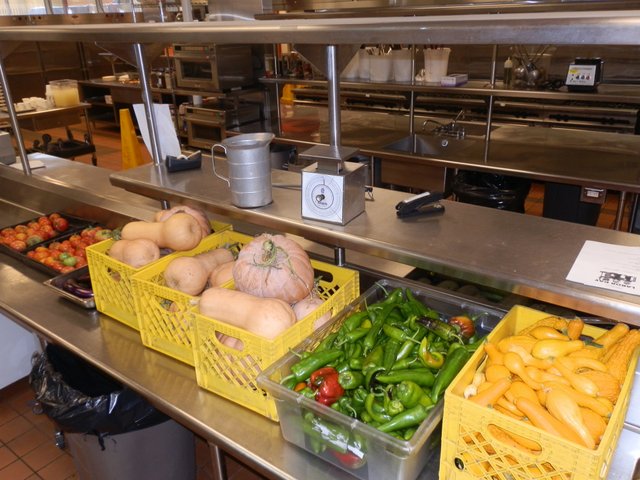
(559, 28)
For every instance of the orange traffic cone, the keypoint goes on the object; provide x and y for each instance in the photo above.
(131, 153)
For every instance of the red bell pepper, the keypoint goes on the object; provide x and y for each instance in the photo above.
(325, 382)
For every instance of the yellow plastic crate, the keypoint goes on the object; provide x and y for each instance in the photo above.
(469, 451)
(164, 314)
(111, 281)
(232, 373)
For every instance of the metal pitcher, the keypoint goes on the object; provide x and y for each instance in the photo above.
(249, 163)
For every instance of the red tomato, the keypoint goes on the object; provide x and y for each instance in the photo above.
(88, 233)
(75, 240)
(61, 224)
(81, 262)
(20, 228)
(49, 261)
(42, 248)
(39, 255)
(44, 221)
(8, 232)
(31, 254)
(67, 269)
(21, 236)
(33, 225)
(18, 245)
(49, 230)
(57, 266)
(53, 216)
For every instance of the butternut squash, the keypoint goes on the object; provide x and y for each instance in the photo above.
(187, 275)
(307, 306)
(179, 232)
(266, 317)
(564, 408)
(135, 253)
(214, 258)
(221, 274)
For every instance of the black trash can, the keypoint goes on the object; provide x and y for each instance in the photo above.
(112, 432)
(491, 190)
(562, 202)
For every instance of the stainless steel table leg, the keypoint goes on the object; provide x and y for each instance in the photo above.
(620, 210)
(217, 462)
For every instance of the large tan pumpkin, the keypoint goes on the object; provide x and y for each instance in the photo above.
(274, 266)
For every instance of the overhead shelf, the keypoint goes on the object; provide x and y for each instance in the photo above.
(558, 28)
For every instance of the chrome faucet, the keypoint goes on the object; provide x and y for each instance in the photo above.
(451, 129)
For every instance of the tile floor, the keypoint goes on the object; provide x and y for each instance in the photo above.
(27, 448)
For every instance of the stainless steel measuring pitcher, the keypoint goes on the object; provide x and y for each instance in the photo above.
(249, 163)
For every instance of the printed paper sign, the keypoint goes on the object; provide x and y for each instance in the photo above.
(604, 265)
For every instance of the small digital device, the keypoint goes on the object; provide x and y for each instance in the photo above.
(584, 75)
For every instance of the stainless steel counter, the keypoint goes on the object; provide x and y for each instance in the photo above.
(464, 233)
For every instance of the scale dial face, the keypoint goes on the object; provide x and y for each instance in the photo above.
(322, 198)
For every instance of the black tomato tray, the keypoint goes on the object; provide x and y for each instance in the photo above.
(75, 225)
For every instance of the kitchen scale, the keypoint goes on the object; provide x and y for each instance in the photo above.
(333, 190)
(584, 75)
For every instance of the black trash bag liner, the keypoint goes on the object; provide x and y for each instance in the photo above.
(81, 399)
(491, 190)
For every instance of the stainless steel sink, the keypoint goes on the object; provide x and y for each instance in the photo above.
(430, 145)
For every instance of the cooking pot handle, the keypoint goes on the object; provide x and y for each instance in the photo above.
(213, 162)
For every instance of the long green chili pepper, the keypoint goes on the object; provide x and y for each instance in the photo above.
(411, 417)
(408, 362)
(442, 329)
(452, 365)
(390, 351)
(395, 333)
(332, 435)
(304, 368)
(326, 343)
(371, 373)
(353, 350)
(378, 321)
(374, 357)
(352, 336)
(405, 349)
(422, 376)
(352, 322)
(377, 414)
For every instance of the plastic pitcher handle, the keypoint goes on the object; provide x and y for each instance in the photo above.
(213, 162)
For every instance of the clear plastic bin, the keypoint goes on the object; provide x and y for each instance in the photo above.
(384, 455)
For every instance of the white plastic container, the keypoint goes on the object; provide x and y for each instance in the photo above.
(436, 63)
(401, 65)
